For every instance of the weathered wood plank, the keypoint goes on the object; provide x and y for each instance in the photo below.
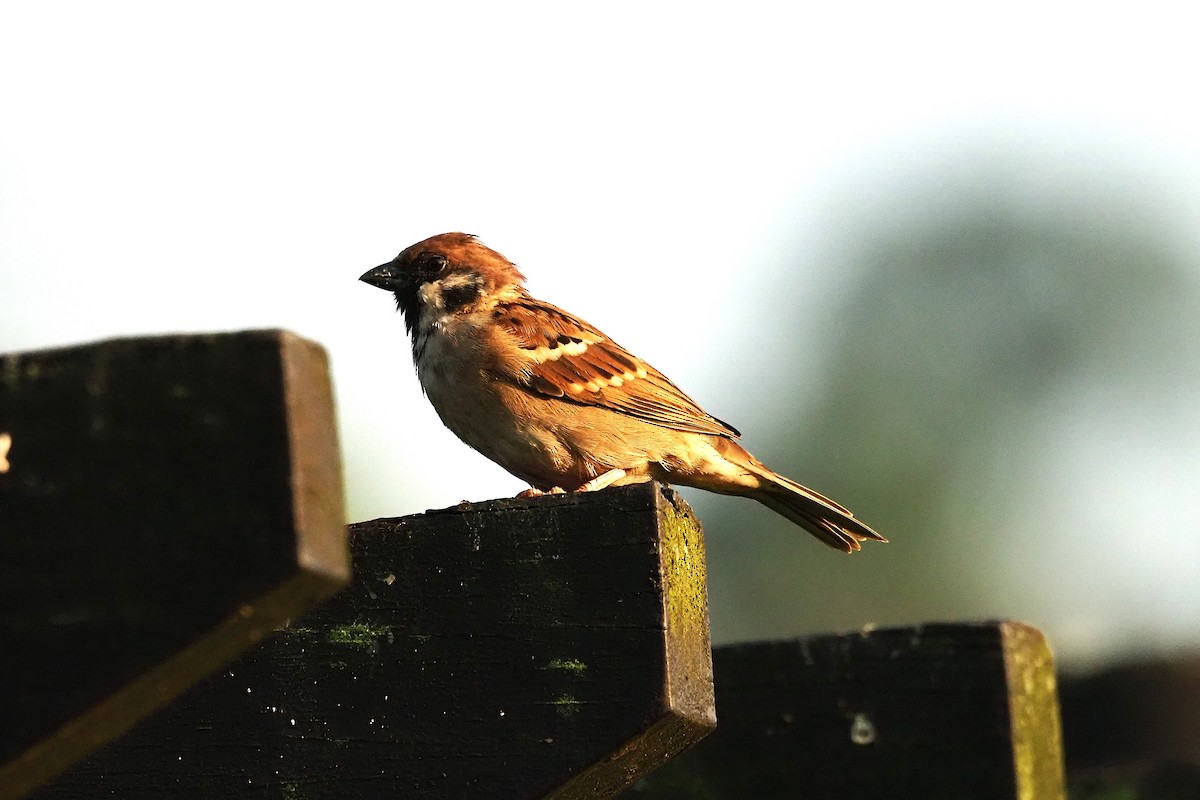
(554, 647)
(936, 711)
(165, 502)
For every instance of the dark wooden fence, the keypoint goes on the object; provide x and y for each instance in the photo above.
(170, 509)
(164, 504)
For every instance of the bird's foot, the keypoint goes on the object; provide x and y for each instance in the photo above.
(532, 492)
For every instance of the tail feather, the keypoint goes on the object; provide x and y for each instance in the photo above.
(825, 519)
(743, 474)
(832, 525)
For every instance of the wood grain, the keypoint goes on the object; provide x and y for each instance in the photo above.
(167, 502)
(521, 648)
(932, 711)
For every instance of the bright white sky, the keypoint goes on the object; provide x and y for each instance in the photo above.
(210, 166)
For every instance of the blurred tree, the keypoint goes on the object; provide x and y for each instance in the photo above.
(992, 290)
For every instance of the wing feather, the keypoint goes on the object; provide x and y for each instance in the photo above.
(569, 358)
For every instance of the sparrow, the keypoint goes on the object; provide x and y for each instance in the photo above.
(560, 405)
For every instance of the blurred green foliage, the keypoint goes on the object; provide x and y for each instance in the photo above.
(978, 298)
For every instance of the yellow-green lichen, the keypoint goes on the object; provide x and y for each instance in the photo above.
(1033, 709)
(685, 573)
(359, 634)
(566, 705)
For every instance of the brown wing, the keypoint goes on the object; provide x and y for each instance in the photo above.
(568, 358)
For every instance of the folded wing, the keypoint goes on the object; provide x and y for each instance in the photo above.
(570, 359)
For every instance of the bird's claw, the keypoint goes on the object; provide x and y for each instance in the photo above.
(532, 492)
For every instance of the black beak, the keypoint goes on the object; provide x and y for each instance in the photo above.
(386, 276)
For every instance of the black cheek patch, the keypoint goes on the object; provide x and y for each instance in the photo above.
(455, 297)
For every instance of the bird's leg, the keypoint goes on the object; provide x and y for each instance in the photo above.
(595, 484)
(601, 481)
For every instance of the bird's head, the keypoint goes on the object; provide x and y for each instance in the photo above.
(447, 273)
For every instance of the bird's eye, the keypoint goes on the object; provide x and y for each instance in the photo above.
(431, 264)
